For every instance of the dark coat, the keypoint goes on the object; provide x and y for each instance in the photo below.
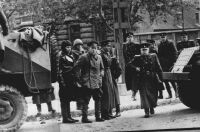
(167, 54)
(184, 44)
(147, 78)
(108, 97)
(66, 78)
(130, 50)
(91, 71)
(116, 71)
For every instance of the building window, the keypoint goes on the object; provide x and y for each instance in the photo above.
(197, 17)
(74, 32)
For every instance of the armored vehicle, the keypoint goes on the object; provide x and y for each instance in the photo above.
(25, 69)
(186, 72)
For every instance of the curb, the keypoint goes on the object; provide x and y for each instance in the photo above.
(91, 112)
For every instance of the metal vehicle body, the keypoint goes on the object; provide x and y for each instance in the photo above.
(23, 72)
(186, 72)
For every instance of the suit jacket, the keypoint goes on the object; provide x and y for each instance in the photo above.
(91, 71)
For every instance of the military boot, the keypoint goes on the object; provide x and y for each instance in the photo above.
(65, 112)
(85, 114)
(117, 111)
(146, 113)
(152, 111)
(98, 111)
(69, 113)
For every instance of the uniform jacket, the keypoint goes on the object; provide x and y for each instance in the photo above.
(91, 71)
(167, 54)
(149, 67)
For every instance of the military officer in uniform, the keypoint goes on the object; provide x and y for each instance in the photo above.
(130, 49)
(167, 54)
(148, 73)
(184, 43)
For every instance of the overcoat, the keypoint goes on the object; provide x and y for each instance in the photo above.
(167, 54)
(108, 97)
(116, 71)
(148, 78)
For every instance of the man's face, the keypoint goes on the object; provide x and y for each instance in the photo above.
(93, 49)
(130, 38)
(184, 38)
(79, 47)
(144, 51)
(163, 38)
(68, 48)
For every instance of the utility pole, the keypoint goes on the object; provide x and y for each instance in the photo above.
(121, 23)
(182, 11)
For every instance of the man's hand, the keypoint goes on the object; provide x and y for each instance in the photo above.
(78, 84)
(102, 73)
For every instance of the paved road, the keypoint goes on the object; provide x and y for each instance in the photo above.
(167, 117)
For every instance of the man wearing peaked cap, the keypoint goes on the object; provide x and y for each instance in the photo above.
(163, 34)
(153, 47)
(184, 43)
(146, 67)
(167, 54)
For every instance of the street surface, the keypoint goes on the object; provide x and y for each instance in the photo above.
(175, 116)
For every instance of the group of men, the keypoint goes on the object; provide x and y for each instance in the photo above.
(144, 64)
(85, 74)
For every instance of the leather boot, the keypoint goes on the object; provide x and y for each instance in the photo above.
(146, 113)
(39, 109)
(152, 111)
(160, 96)
(64, 113)
(50, 109)
(118, 114)
(98, 111)
(69, 113)
(110, 114)
(85, 114)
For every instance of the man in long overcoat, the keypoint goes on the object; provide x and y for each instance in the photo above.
(130, 49)
(148, 71)
(167, 54)
(109, 93)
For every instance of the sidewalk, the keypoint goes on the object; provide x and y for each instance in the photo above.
(126, 103)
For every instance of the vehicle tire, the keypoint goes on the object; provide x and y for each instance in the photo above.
(189, 94)
(11, 119)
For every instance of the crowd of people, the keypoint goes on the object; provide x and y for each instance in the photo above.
(92, 72)
(83, 74)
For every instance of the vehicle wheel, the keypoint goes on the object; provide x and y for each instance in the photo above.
(189, 94)
(13, 109)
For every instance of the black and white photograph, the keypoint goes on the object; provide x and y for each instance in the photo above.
(99, 65)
